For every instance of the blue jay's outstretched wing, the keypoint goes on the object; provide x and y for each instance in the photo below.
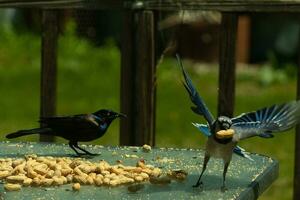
(203, 128)
(200, 108)
(267, 120)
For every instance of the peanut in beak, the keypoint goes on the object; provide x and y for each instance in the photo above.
(225, 134)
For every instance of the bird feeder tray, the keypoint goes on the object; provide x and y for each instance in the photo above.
(246, 179)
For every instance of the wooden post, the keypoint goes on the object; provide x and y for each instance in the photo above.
(49, 66)
(145, 80)
(138, 81)
(127, 83)
(243, 39)
(227, 64)
(297, 141)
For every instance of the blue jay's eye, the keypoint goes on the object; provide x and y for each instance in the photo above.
(225, 125)
(224, 122)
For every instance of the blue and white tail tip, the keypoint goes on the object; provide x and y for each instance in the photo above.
(242, 152)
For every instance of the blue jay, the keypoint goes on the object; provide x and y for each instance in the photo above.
(75, 128)
(224, 133)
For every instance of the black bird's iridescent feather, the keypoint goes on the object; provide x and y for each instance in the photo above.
(70, 122)
(77, 127)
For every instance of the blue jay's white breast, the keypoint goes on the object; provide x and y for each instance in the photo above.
(218, 150)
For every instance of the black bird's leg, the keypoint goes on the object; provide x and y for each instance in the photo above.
(85, 151)
(72, 144)
(199, 182)
(223, 188)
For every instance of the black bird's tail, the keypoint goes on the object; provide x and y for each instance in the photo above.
(43, 131)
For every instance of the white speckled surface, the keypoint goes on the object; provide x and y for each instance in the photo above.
(245, 179)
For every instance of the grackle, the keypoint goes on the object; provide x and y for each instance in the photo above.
(224, 133)
(75, 128)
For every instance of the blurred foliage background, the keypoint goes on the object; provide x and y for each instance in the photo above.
(89, 77)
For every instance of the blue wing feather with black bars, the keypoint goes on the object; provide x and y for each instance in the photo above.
(200, 107)
(266, 121)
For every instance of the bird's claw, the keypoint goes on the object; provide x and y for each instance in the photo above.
(224, 188)
(93, 154)
(87, 154)
(80, 154)
(198, 184)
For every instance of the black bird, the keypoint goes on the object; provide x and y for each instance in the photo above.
(224, 133)
(75, 128)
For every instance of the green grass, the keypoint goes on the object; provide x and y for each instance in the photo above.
(88, 79)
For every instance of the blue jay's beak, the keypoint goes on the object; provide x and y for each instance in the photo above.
(225, 134)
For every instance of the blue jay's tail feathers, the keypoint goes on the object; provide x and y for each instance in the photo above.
(20, 133)
(242, 152)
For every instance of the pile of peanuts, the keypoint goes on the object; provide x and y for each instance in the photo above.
(54, 171)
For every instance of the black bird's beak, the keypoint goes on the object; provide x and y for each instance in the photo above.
(120, 115)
